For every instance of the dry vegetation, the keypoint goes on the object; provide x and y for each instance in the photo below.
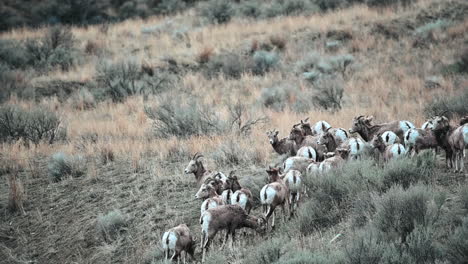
(123, 169)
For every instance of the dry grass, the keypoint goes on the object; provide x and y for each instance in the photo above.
(129, 168)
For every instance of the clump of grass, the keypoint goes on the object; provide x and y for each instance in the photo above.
(264, 61)
(17, 196)
(448, 105)
(269, 251)
(111, 224)
(62, 165)
(183, 118)
(82, 100)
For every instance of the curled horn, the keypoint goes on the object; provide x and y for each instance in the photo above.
(231, 174)
(197, 155)
(306, 120)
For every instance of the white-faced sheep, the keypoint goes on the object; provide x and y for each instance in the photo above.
(341, 155)
(274, 194)
(229, 218)
(453, 140)
(293, 180)
(178, 240)
(364, 127)
(281, 146)
(388, 152)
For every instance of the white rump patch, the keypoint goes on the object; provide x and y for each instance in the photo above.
(307, 152)
(341, 134)
(227, 196)
(317, 129)
(313, 168)
(242, 199)
(465, 134)
(294, 187)
(206, 216)
(172, 237)
(410, 137)
(389, 137)
(406, 125)
(395, 148)
(270, 193)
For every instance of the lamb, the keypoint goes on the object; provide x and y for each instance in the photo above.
(196, 167)
(307, 152)
(417, 139)
(207, 192)
(363, 126)
(274, 194)
(229, 218)
(452, 140)
(293, 180)
(178, 239)
(332, 138)
(296, 163)
(301, 139)
(388, 152)
(341, 154)
(283, 146)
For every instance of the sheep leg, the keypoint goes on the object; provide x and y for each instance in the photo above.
(233, 238)
(226, 237)
(273, 220)
(175, 255)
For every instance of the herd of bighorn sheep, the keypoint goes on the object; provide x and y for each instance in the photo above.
(312, 150)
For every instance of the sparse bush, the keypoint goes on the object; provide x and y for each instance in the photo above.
(448, 105)
(242, 120)
(363, 208)
(230, 65)
(250, 9)
(329, 94)
(365, 248)
(264, 61)
(82, 100)
(269, 251)
(111, 224)
(277, 97)
(125, 78)
(36, 125)
(107, 155)
(205, 55)
(16, 196)
(62, 165)
(217, 11)
(174, 117)
(12, 55)
(384, 3)
(230, 153)
(314, 62)
(290, 8)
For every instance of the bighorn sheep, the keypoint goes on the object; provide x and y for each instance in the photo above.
(417, 139)
(229, 187)
(464, 120)
(317, 129)
(281, 146)
(388, 152)
(301, 139)
(296, 163)
(332, 138)
(229, 218)
(341, 154)
(243, 198)
(293, 180)
(274, 194)
(428, 124)
(207, 192)
(390, 138)
(307, 152)
(452, 140)
(196, 167)
(358, 148)
(178, 239)
(364, 127)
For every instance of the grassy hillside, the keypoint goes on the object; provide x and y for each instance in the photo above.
(102, 121)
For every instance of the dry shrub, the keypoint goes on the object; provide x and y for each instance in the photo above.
(278, 41)
(205, 54)
(16, 197)
(92, 47)
(107, 155)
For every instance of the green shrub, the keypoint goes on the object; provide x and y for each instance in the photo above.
(176, 117)
(316, 63)
(82, 100)
(250, 9)
(264, 61)
(448, 105)
(363, 209)
(399, 211)
(278, 97)
(111, 224)
(384, 3)
(406, 172)
(217, 11)
(231, 65)
(365, 247)
(456, 248)
(62, 165)
(12, 54)
(269, 251)
(35, 125)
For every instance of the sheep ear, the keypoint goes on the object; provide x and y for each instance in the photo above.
(306, 120)
(326, 130)
(276, 132)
